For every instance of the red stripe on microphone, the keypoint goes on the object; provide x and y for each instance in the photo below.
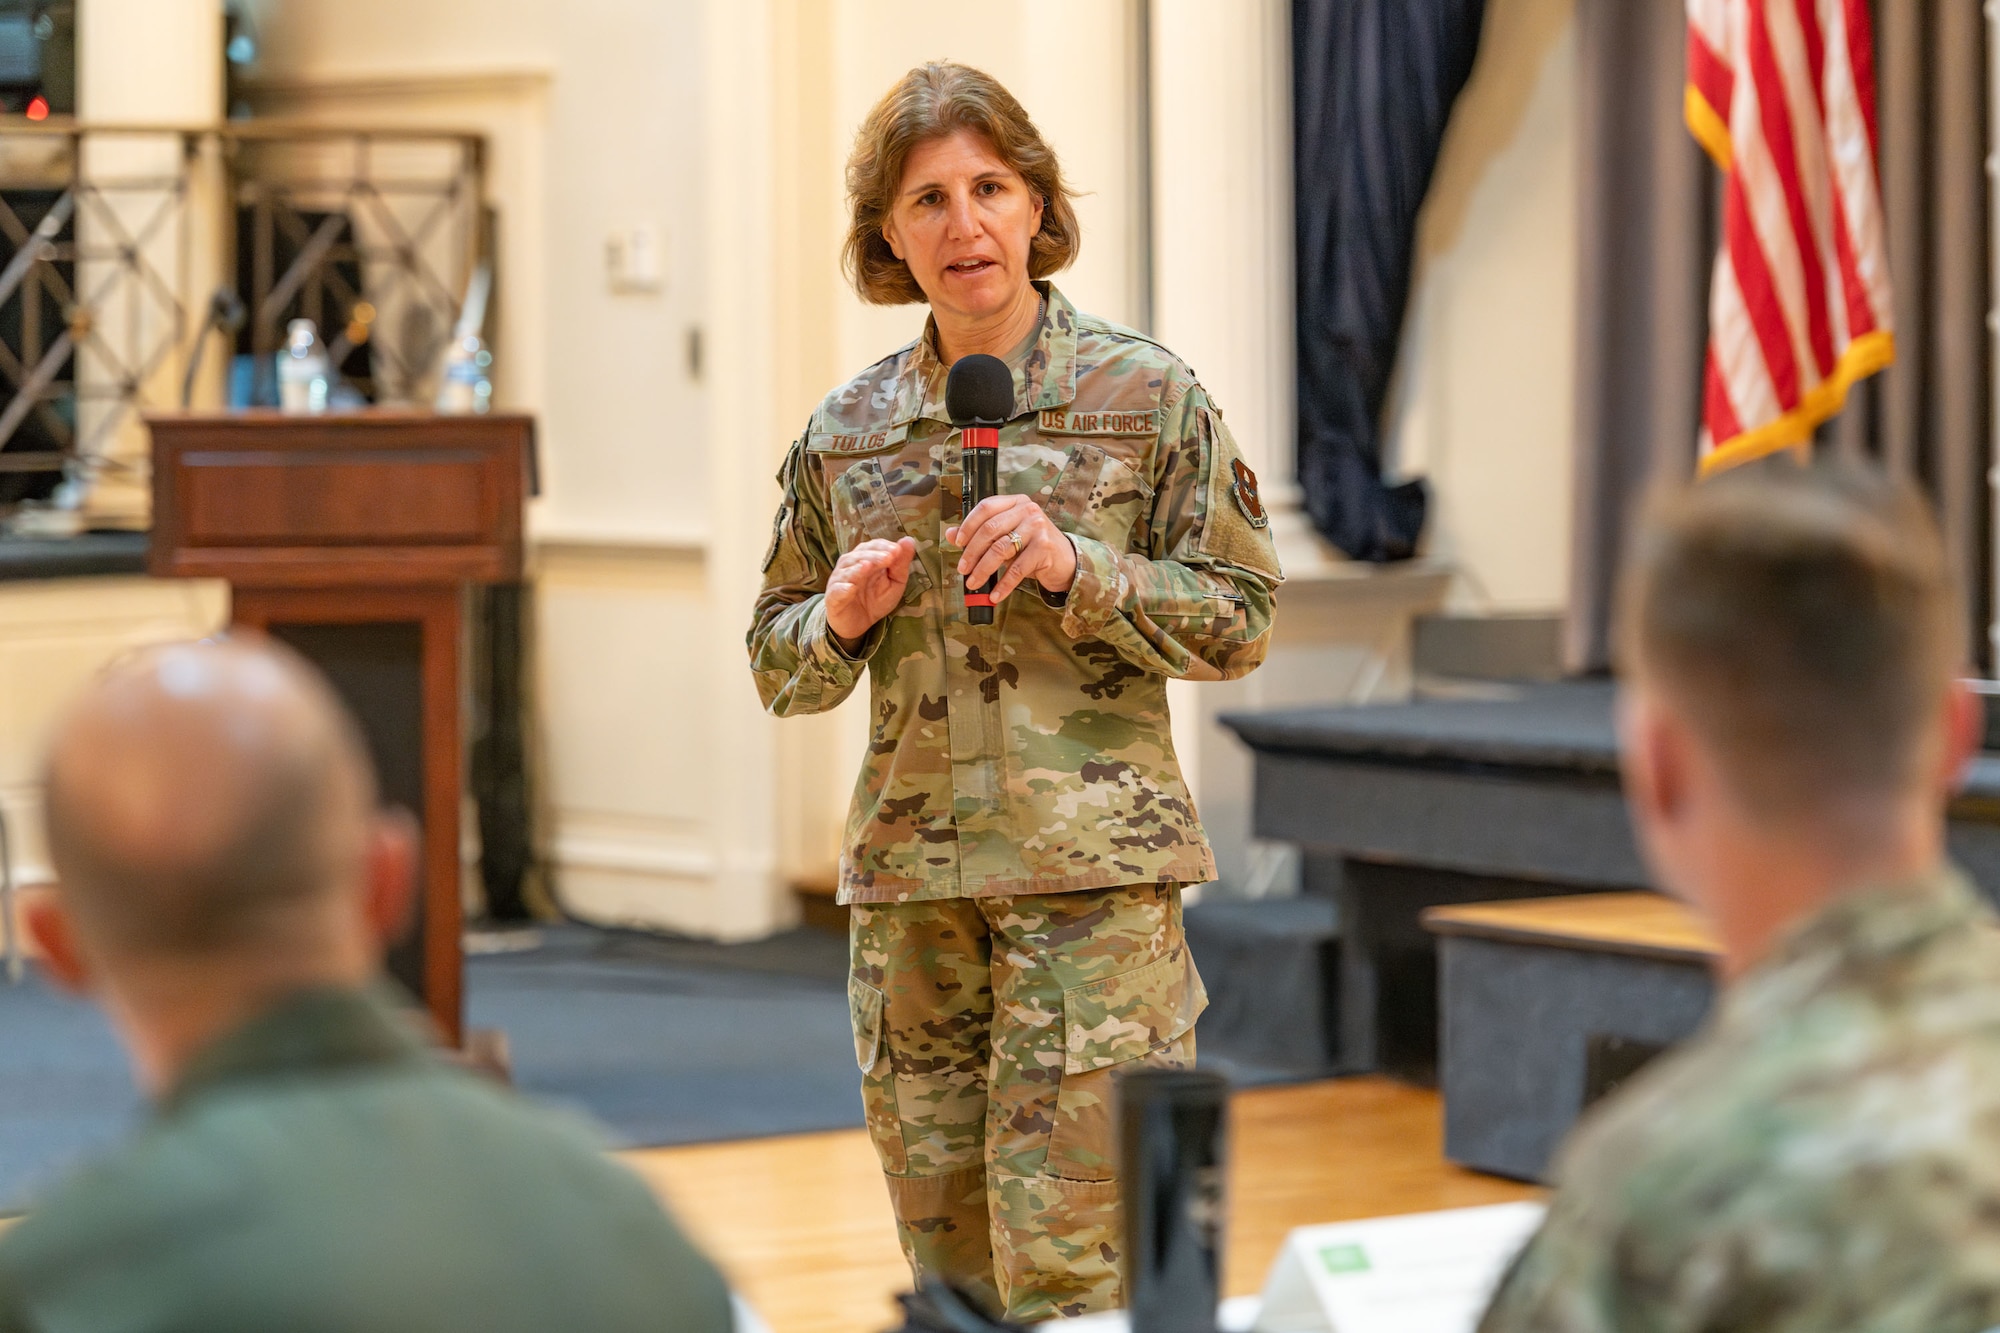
(982, 437)
(979, 599)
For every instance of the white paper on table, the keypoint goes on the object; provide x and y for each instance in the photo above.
(1421, 1273)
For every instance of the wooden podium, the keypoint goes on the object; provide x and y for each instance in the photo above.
(353, 538)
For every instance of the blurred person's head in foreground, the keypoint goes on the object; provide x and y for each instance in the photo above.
(226, 885)
(1792, 721)
(213, 825)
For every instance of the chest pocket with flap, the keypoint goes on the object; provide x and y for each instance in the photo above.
(1098, 495)
(863, 503)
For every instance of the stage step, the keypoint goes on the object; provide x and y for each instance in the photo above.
(1272, 968)
(1546, 1004)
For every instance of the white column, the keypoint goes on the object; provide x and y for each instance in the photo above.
(144, 63)
(745, 440)
(149, 62)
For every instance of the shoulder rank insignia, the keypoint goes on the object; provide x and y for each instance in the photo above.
(1247, 499)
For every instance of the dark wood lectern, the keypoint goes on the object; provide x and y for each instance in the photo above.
(353, 537)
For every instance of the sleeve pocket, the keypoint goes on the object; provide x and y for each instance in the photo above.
(1132, 1014)
(864, 1008)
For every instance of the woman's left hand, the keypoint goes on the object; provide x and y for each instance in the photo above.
(1014, 532)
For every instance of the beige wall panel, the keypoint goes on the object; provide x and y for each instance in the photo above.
(54, 636)
(598, 121)
(398, 37)
(149, 62)
(1484, 400)
(589, 122)
(629, 748)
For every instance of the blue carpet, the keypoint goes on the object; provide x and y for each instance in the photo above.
(671, 1041)
(663, 1041)
(65, 1093)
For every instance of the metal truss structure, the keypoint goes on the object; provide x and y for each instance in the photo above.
(370, 233)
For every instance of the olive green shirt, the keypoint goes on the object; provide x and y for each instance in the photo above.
(1034, 755)
(320, 1170)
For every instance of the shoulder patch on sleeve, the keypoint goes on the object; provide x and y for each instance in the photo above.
(1236, 528)
(1244, 488)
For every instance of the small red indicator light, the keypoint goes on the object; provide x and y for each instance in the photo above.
(38, 108)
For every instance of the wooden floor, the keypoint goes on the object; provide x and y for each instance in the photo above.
(802, 1224)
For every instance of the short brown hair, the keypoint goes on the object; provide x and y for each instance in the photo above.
(1806, 622)
(931, 102)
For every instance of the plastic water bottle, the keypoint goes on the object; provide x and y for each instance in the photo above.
(465, 387)
(304, 374)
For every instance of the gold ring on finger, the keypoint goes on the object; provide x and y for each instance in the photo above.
(1019, 545)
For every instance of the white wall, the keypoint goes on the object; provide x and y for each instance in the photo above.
(55, 635)
(594, 113)
(1485, 384)
(591, 110)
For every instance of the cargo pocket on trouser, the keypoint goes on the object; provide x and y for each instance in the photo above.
(1058, 1236)
(878, 1077)
(941, 1217)
(1144, 1017)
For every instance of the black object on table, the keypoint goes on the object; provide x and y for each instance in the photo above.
(1172, 1137)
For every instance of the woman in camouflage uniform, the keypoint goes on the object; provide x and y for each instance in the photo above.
(1020, 832)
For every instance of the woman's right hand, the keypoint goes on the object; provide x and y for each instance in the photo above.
(866, 584)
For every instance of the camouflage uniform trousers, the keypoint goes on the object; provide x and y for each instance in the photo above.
(989, 1032)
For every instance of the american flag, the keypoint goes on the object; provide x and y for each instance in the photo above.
(1782, 95)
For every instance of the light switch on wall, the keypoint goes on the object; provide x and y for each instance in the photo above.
(635, 259)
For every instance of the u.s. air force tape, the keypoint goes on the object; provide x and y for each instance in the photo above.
(1066, 421)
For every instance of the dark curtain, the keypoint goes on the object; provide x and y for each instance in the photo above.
(1373, 85)
(1930, 415)
(1648, 240)
(498, 763)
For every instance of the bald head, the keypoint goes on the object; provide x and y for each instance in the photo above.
(205, 798)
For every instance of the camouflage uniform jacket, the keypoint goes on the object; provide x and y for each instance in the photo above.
(1032, 755)
(1825, 1155)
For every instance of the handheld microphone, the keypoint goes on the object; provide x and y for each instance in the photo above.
(978, 396)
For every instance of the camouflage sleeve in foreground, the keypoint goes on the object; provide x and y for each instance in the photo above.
(800, 669)
(1894, 1253)
(1824, 1155)
(1197, 604)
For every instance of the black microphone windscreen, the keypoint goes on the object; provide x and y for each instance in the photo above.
(979, 391)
